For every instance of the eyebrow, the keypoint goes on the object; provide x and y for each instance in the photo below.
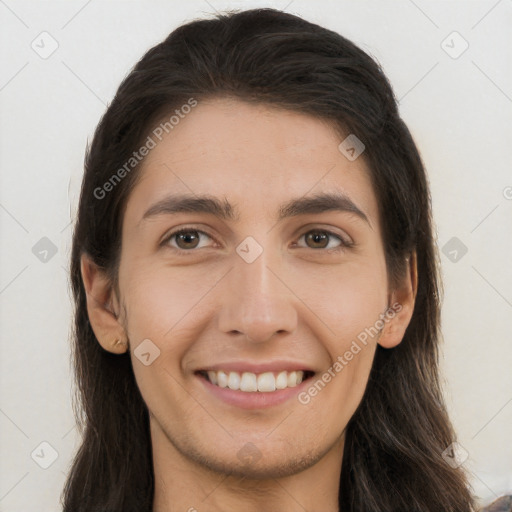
(222, 209)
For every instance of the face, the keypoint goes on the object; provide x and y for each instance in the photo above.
(273, 296)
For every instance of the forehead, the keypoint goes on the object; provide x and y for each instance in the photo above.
(257, 155)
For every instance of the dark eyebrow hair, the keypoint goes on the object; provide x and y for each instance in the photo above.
(222, 209)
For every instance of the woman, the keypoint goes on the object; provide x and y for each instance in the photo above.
(261, 369)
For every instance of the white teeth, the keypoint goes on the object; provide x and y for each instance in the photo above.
(282, 380)
(222, 379)
(266, 382)
(234, 381)
(250, 382)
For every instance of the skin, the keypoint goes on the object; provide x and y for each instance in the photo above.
(295, 301)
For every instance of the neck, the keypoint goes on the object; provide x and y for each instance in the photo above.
(184, 485)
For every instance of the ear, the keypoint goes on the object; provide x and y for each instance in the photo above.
(102, 306)
(401, 306)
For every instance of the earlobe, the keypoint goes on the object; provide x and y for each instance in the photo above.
(401, 306)
(102, 307)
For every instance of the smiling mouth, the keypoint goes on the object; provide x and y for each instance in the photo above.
(249, 382)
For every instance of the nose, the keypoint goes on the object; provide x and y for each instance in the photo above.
(259, 302)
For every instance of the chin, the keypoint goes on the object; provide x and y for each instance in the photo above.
(252, 464)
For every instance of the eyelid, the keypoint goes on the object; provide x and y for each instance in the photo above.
(344, 244)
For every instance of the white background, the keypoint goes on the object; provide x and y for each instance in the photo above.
(459, 111)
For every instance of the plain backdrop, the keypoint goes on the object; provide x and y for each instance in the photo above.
(457, 102)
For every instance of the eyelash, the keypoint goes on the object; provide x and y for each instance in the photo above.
(343, 245)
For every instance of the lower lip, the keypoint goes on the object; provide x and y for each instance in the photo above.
(254, 399)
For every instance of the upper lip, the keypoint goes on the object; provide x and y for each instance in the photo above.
(257, 367)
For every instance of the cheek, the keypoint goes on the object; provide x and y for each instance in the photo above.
(350, 305)
(160, 299)
(166, 306)
(332, 397)
(163, 306)
(347, 298)
(358, 306)
(351, 315)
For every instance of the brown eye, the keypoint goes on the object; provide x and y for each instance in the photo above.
(322, 239)
(185, 239)
(319, 239)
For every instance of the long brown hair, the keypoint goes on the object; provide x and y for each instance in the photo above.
(392, 458)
